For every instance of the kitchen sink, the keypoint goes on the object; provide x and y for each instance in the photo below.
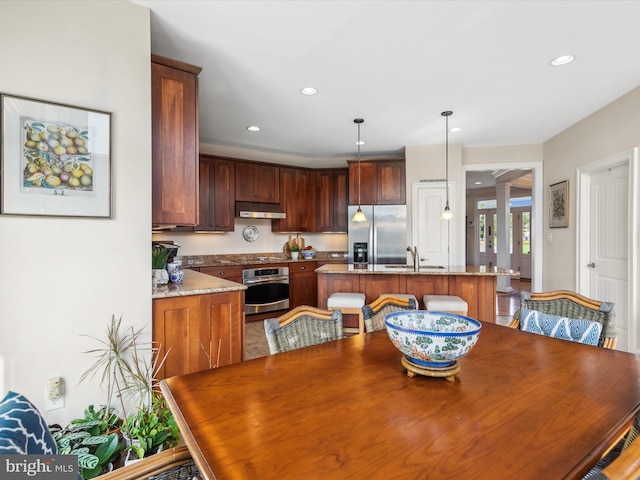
(398, 266)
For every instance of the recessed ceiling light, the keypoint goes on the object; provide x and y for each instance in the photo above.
(455, 130)
(361, 142)
(253, 128)
(562, 60)
(478, 183)
(309, 91)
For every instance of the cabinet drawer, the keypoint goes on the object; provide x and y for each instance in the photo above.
(224, 271)
(302, 266)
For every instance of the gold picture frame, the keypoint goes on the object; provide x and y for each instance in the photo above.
(559, 204)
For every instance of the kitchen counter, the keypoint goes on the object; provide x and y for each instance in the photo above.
(196, 283)
(408, 270)
(475, 285)
(242, 259)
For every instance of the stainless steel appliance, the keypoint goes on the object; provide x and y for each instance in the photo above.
(384, 232)
(360, 253)
(267, 289)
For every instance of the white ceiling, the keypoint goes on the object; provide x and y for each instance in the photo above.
(398, 65)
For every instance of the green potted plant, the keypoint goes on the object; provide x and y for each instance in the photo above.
(159, 257)
(295, 250)
(96, 439)
(152, 429)
(130, 378)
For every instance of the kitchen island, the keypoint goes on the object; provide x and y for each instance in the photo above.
(474, 284)
(200, 323)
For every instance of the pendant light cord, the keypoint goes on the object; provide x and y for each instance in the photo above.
(447, 159)
(359, 121)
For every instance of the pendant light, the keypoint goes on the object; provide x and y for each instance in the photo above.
(447, 214)
(359, 216)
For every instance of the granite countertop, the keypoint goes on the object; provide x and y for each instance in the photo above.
(408, 270)
(241, 259)
(196, 283)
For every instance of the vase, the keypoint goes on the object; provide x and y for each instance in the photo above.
(176, 276)
(161, 276)
(294, 255)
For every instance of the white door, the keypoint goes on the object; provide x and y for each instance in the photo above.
(521, 241)
(608, 253)
(432, 236)
(609, 243)
(487, 221)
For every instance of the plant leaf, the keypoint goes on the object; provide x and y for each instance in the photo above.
(88, 460)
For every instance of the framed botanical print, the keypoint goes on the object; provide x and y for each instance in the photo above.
(55, 159)
(559, 204)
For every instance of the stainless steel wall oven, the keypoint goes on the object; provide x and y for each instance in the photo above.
(267, 289)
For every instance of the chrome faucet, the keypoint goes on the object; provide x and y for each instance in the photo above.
(414, 256)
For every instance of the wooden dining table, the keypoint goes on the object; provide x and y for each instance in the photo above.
(523, 406)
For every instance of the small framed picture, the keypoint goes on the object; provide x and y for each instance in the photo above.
(559, 204)
(55, 159)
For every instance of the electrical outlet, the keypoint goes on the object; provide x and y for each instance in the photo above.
(54, 403)
(54, 394)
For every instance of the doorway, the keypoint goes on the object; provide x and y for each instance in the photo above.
(531, 261)
(607, 257)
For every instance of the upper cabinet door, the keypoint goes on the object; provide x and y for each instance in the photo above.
(174, 120)
(257, 183)
(298, 200)
(390, 183)
(332, 200)
(217, 194)
(381, 182)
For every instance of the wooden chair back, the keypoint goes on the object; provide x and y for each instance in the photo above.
(302, 327)
(375, 312)
(572, 305)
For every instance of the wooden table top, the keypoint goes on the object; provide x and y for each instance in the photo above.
(523, 406)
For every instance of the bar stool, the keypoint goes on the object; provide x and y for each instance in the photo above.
(401, 295)
(349, 303)
(445, 303)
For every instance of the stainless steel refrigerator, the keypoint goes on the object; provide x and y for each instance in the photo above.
(385, 233)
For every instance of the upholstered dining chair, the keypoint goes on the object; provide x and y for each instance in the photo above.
(622, 462)
(302, 327)
(375, 312)
(561, 311)
(172, 464)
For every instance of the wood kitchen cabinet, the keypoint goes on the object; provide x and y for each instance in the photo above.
(257, 182)
(217, 194)
(174, 149)
(332, 200)
(382, 182)
(298, 200)
(198, 331)
(228, 272)
(302, 283)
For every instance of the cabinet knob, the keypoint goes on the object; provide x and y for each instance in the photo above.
(303, 267)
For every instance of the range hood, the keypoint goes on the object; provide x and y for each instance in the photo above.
(259, 210)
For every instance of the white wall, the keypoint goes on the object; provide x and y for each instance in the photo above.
(611, 130)
(234, 242)
(64, 277)
(427, 162)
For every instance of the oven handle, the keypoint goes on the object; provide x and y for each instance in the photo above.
(266, 280)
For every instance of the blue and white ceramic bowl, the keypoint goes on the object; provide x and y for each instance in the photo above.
(432, 339)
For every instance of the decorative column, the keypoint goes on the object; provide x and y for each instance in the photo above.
(503, 196)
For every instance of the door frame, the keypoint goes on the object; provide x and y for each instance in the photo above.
(583, 195)
(537, 203)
